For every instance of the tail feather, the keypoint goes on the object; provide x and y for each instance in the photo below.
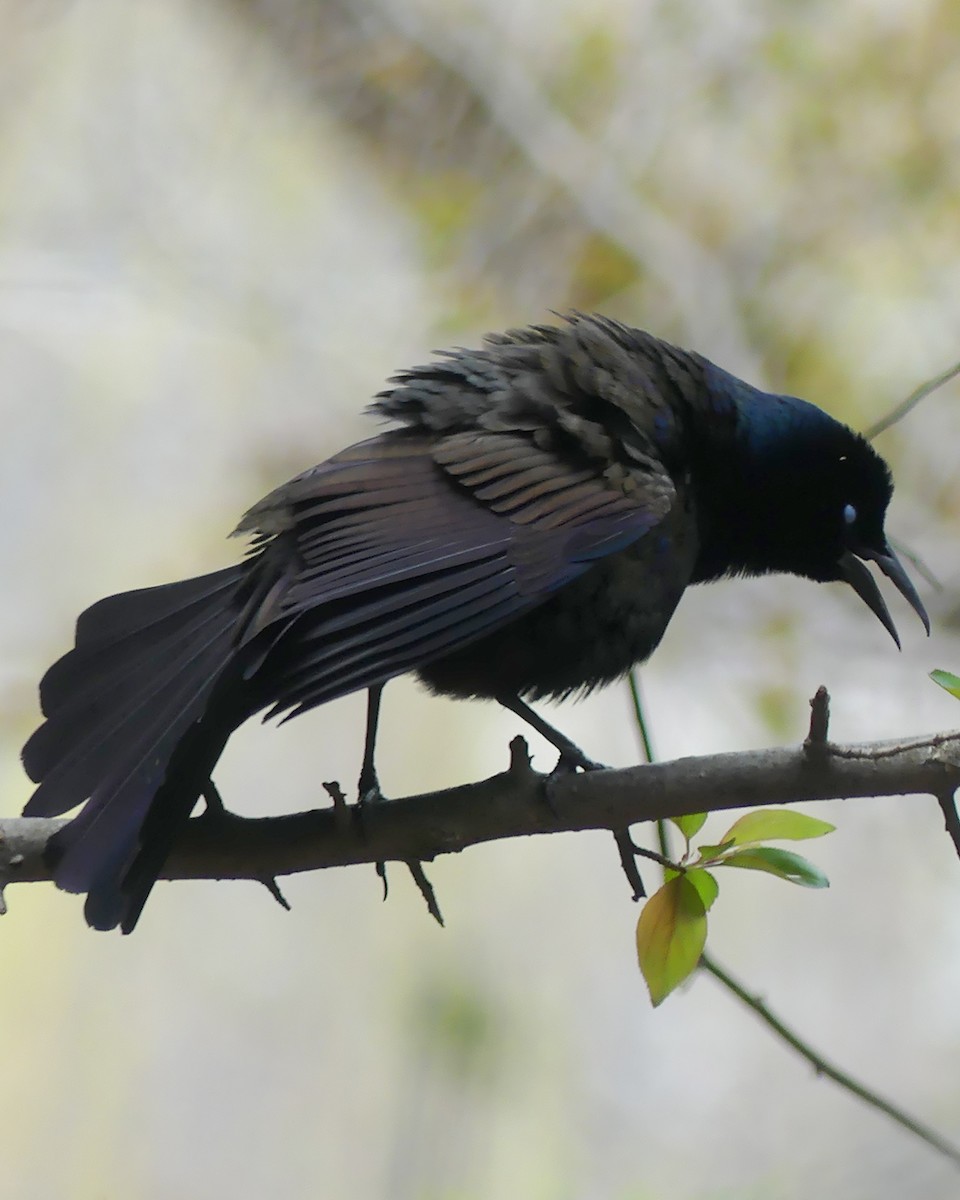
(117, 896)
(114, 850)
(106, 832)
(69, 752)
(137, 715)
(112, 635)
(116, 617)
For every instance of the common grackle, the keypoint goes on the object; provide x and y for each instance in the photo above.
(526, 529)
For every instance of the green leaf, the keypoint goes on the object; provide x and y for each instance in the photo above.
(711, 852)
(769, 824)
(671, 934)
(706, 886)
(947, 681)
(783, 863)
(689, 824)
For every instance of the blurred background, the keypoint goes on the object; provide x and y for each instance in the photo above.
(222, 225)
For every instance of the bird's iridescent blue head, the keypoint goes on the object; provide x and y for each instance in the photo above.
(806, 495)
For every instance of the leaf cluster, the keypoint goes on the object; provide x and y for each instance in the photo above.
(672, 929)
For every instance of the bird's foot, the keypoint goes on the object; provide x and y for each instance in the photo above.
(368, 789)
(370, 797)
(573, 759)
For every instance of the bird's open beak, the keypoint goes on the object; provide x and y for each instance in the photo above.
(863, 583)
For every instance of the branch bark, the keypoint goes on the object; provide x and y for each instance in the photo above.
(520, 802)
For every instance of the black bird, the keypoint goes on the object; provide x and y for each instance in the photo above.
(526, 530)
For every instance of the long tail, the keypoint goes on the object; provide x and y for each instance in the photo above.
(134, 723)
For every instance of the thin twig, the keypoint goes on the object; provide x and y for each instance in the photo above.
(647, 748)
(905, 406)
(660, 859)
(897, 414)
(823, 1067)
(641, 718)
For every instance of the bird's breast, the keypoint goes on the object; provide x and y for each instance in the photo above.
(588, 633)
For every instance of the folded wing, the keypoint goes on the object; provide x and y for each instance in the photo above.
(409, 548)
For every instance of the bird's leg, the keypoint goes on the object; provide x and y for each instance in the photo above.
(213, 801)
(368, 788)
(571, 756)
(369, 792)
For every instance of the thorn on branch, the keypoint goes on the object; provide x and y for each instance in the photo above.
(519, 757)
(628, 860)
(335, 792)
(948, 806)
(270, 883)
(341, 810)
(382, 873)
(819, 721)
(426, 889)
(12, 863)
(15, 860)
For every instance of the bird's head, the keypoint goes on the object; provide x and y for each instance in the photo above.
(806, 495)
(859, 486)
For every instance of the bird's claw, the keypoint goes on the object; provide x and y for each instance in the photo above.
(369, 798)
(574, 760)
(370, 795)
(368, 788)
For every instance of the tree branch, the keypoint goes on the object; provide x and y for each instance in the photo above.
(513, 804)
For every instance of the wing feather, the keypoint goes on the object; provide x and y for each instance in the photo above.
(411, 546)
